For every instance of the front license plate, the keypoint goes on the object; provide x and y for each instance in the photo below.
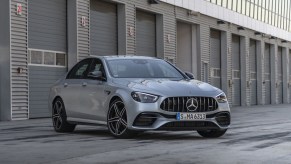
(191, 116)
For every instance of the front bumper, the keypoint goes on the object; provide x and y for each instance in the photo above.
(149, 116)
(159, 121)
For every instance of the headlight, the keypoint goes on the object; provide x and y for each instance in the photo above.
(144, 97)
(221, 98)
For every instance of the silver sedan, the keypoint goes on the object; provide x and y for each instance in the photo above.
(132, 94)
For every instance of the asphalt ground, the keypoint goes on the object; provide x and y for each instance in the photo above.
(259, 134)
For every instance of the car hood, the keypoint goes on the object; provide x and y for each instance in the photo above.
(168, 87)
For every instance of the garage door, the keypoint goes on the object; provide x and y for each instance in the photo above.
(145, 34)
(215, 58)
(253, 71)
(186, 47)
(236, 75)
(47, 27)
(267, 77)
(40, 81)
(279, 76)
(103, 28)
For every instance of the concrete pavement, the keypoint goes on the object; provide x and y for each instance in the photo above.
(259, 134)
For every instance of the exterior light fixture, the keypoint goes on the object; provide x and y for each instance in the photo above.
(220, 22)
(240, 28)
(20, 70)
(153, 1)
(258, 33)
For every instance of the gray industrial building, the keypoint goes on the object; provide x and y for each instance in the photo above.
(242, 47)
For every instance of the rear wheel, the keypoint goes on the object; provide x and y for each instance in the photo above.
(117, 120)
(211, 133)
(59, 117)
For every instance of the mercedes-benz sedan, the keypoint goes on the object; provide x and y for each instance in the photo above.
(132, 94)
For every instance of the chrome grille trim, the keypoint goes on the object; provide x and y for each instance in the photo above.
(174, 104)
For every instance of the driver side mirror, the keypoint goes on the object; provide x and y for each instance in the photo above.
(190, 75)
(97, 75)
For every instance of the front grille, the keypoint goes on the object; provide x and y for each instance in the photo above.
(188, 125)
(178, 104)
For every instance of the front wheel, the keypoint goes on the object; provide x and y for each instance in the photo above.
(117, 120)
(211, 133)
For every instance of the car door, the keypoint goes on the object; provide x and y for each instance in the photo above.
(72, 86)
(93, 94)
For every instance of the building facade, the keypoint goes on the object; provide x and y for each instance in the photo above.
(223, 44)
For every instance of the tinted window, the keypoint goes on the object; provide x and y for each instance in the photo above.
(80, 71)
(142, 68)
(97, 66)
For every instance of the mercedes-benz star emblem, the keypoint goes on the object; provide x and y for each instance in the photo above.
(192, 104)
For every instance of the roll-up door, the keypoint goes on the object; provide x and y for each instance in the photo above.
(103, 28)
(215, 58)
(236, 75)
(187, 47)
(253, 72)
(145, 34)
(267, 73)
(184, 46)
(279, 76)
(47, 28)
(40, 81)
(47, 25)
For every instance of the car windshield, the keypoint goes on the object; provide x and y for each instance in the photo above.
(142, 68)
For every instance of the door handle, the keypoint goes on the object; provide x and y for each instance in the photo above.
(84, 84)
(65, 84)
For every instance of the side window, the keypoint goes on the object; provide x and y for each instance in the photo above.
(97, 66)
(80, 71)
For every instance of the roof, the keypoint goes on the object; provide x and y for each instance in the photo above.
(124, 57)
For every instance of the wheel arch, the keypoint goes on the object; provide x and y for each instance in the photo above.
(53, 101)
(114, 98)
(56, 97)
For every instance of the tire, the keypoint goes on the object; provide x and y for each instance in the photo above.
(211, 133)
(59, 117)
(117, 120)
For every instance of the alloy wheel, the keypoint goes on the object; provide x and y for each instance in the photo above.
(57, 114)
(117, 118)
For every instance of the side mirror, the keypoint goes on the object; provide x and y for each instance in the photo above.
(190, 75)
(97, 75)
